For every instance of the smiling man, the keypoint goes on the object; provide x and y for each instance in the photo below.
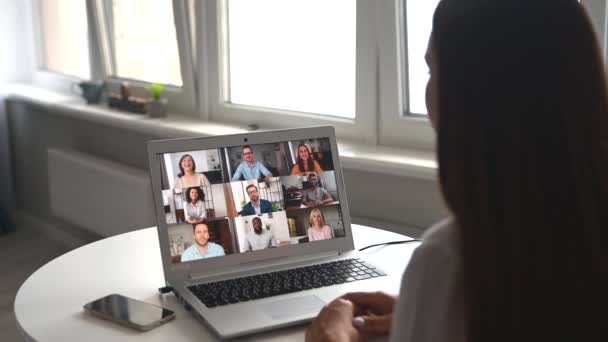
(249, 168)
(315, 195)
(256, 206)
(202, 248)
(259, 238)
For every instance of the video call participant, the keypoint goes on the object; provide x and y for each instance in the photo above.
(305, 163)
(195, 205)
(319, 230)
(259, 238)
(250, 168)
(202, 248)
(188, 176)
(315, 195)
(256, 206)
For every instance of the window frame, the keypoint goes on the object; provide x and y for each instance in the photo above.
(398, 127)
(214, 72)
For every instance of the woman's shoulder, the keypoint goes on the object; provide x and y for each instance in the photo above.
(295, 169)
(430, 288)
(443, 235)
(178, 182)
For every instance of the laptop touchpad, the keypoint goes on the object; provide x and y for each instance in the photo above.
(282, 309)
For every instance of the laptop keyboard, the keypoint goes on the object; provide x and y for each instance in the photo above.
(281, 282)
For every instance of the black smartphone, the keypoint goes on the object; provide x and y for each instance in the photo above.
(129, 312)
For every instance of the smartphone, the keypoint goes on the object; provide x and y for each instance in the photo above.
(129, 312)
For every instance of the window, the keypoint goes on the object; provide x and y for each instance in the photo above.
(117, 40)
(245, 87)
(64, 37)
(356, 64)
(145, 44)
(149, 41)
(289, 63)
(294, 55)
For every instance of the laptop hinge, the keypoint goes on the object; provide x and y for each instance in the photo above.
(252, 266)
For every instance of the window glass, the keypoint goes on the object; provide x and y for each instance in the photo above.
(419, 22)
(145, 43)
(293, 55)
(65, 37)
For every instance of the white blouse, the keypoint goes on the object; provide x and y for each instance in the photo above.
(430, 306)
(196, 211)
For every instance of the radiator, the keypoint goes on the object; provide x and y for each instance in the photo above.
(98, 195)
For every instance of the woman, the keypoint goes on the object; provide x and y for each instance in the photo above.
(195, 205)
(187, 176)
(305, 163)
(319, 230)
(517, 94)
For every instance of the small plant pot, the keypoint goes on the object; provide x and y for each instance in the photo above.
(157, 109)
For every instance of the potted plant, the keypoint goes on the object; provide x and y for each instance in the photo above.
(157, 108)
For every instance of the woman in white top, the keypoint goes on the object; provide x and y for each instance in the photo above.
(195, 205)
(188, 176)
(517, 95)
(319, 230)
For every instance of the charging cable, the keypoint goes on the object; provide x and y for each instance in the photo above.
(389, 243)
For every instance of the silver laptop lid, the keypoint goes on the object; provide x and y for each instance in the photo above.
(228, 201)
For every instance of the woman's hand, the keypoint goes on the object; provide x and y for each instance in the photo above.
(334, 323)
(373, 311)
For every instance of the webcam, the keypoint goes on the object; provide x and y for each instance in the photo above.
(245, 139)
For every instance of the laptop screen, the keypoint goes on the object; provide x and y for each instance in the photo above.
(243, 199)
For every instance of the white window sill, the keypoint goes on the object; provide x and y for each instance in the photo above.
(376, 159)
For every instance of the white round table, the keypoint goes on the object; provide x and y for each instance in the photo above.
(48, 306)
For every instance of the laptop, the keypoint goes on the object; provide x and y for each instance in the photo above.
(254, 228)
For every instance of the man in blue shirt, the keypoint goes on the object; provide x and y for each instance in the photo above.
(256, 206)
(249, 168)
(202, 248)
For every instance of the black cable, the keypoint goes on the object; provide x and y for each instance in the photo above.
(389, 243)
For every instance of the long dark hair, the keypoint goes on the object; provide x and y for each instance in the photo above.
(523, 166)
(181, 169)
(310, 166)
